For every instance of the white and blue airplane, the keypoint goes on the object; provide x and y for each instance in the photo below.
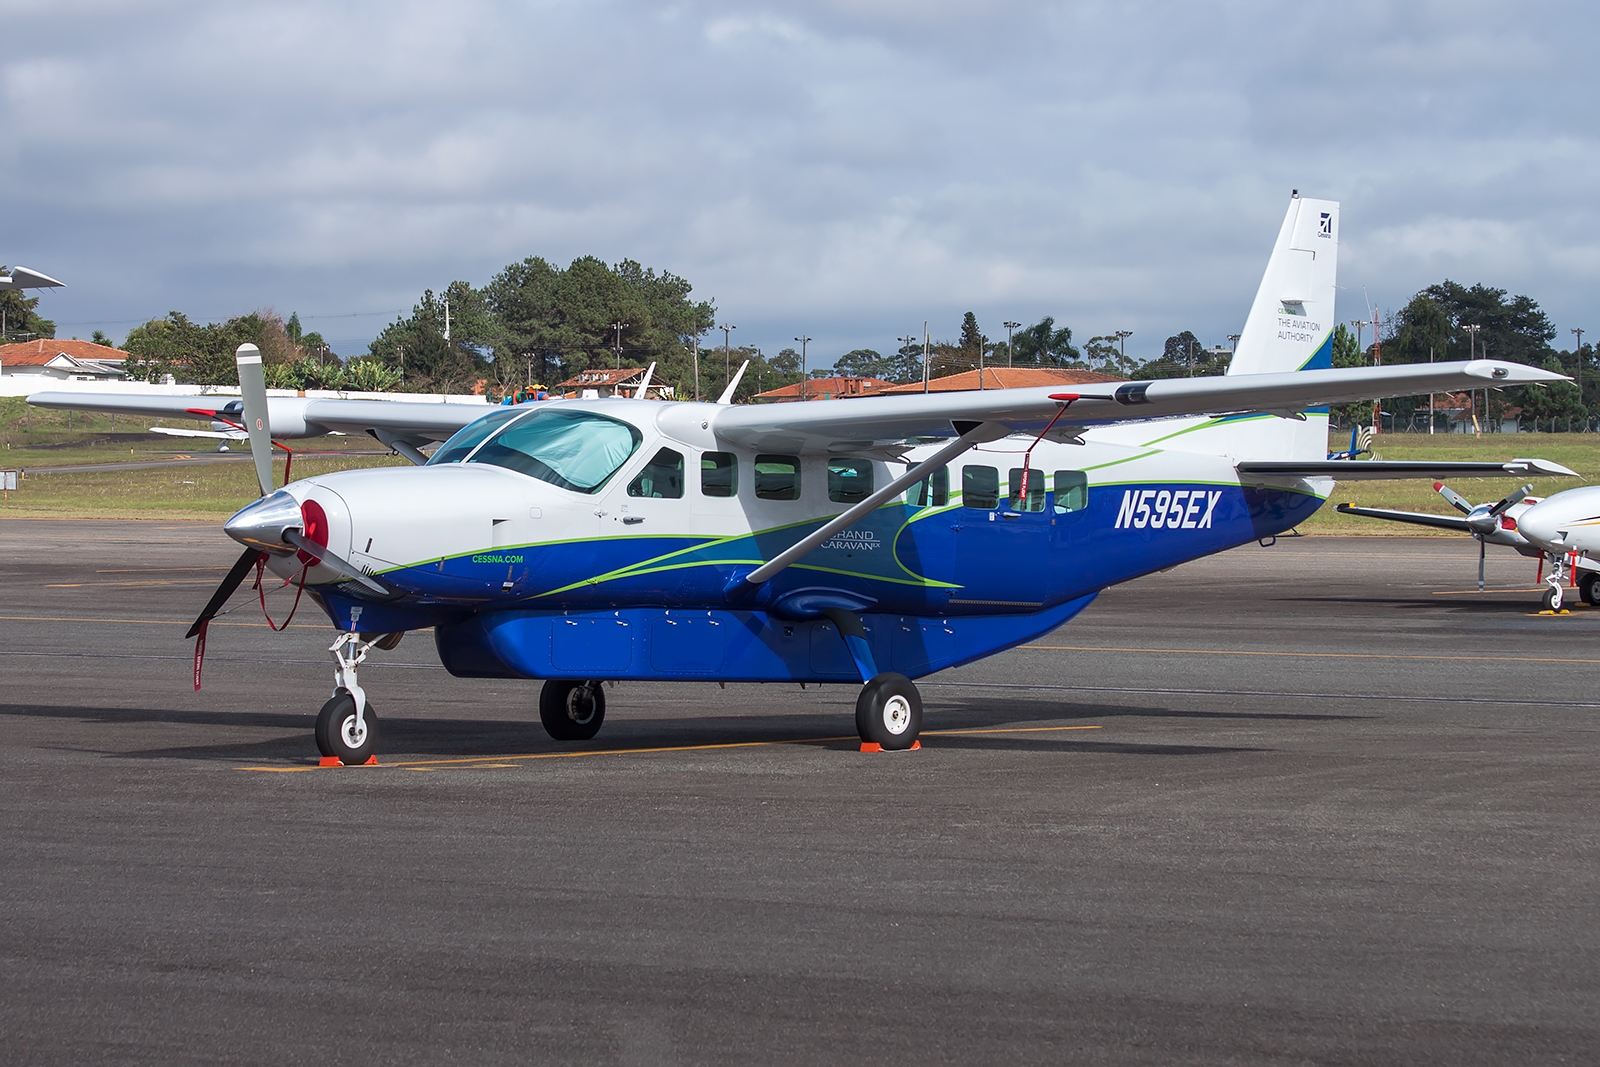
(870, 541)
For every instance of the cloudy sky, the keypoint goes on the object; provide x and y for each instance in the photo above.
(843, 168)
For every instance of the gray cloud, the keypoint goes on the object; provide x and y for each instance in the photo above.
(849, 169)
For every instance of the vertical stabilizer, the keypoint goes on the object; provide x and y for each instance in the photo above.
(1291, 322)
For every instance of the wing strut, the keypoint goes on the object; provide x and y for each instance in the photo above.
(977, 435)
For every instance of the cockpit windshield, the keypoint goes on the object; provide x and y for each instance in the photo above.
(575, 450)
(470, 436)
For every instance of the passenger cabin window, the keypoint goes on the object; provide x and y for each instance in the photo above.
(661, 477)
(1072, 491)
(1035, 500)
(980, 487)
(777, 477)
(719, 474)
(577, 450)
(932, 492)
(849, 480)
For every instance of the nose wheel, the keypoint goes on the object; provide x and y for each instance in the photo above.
(343, 734)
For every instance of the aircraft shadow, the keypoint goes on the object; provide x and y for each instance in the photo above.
(489, 738)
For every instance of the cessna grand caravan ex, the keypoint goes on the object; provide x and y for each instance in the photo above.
(868, 540)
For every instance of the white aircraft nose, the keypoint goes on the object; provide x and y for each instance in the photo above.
(1540, 523)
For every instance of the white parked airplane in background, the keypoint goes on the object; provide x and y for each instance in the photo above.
(1563, 530)
(871, 540)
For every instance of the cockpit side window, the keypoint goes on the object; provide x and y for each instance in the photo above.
(662, 477)
(576, 450)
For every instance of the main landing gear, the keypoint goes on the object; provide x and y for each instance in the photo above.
(347, 727)
(571, 710)
(1589, 588)
(889, 712)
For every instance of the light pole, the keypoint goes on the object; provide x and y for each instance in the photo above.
(1578, 333)
(1122, 344)
(727, 365)
(618, 326)
(1009, 327)
(906, 342)
(804, 340)
(697, 369)
(1359, 324)
(1472, 353)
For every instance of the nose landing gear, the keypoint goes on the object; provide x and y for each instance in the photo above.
(347, 727)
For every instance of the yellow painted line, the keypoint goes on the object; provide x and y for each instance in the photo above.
(1005, 730)
(1474, 592)
(147, 622)
(153, 581)
(1306, 655)
(498, 761)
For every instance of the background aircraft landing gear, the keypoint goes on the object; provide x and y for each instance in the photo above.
(889, 712)
(572, 711)
(1587, 588)
(341, 733)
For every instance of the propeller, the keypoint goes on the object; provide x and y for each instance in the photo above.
(253, 388)
(1457, 501)
(1484, 518)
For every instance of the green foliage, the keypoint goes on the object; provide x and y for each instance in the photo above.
(1104, 354)
(100, 338)
(552, 323)
(904, 365)
(1044, 344)
(200, 354)
(1347, 353)
(423, 360)
(22, 321)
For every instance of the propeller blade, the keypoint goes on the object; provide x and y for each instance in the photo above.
(327, 558)
(1457, 501)
(241, 568)
(253, 387)
(1512, 499)
(1480, 564)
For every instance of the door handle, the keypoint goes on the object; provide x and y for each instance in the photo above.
(632, 520)
(1010, 515)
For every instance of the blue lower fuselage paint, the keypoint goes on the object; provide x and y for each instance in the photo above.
(934, 587)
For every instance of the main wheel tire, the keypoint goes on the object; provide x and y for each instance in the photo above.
(889, 712)
(1551, 599)
(1587, 588)
(337, 734)
(572, 711)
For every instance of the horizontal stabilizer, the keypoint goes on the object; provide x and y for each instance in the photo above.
(1415, 518)
(1380, 470)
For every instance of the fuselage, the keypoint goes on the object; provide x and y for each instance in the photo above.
(684, 515)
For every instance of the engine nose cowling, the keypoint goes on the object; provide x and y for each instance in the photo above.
(1541, 524)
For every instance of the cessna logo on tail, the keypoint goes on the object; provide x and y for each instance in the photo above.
(1325, 225)
(1186, 509)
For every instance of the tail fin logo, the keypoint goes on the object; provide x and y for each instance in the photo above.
(1325, 224)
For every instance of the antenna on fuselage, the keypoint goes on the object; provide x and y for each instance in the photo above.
(639, 394)
(727, 394)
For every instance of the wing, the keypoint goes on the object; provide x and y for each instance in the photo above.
(1415, 518)
(1378, 470)
(291, 416)
(869, 422)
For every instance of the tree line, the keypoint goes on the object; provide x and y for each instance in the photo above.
(538, 323)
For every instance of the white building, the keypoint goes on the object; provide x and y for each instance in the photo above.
(46, 358)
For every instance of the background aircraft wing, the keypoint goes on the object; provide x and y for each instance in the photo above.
(1415, 518)
(1378, 470)
(290, 416)
(154, 407)
(874, 421)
